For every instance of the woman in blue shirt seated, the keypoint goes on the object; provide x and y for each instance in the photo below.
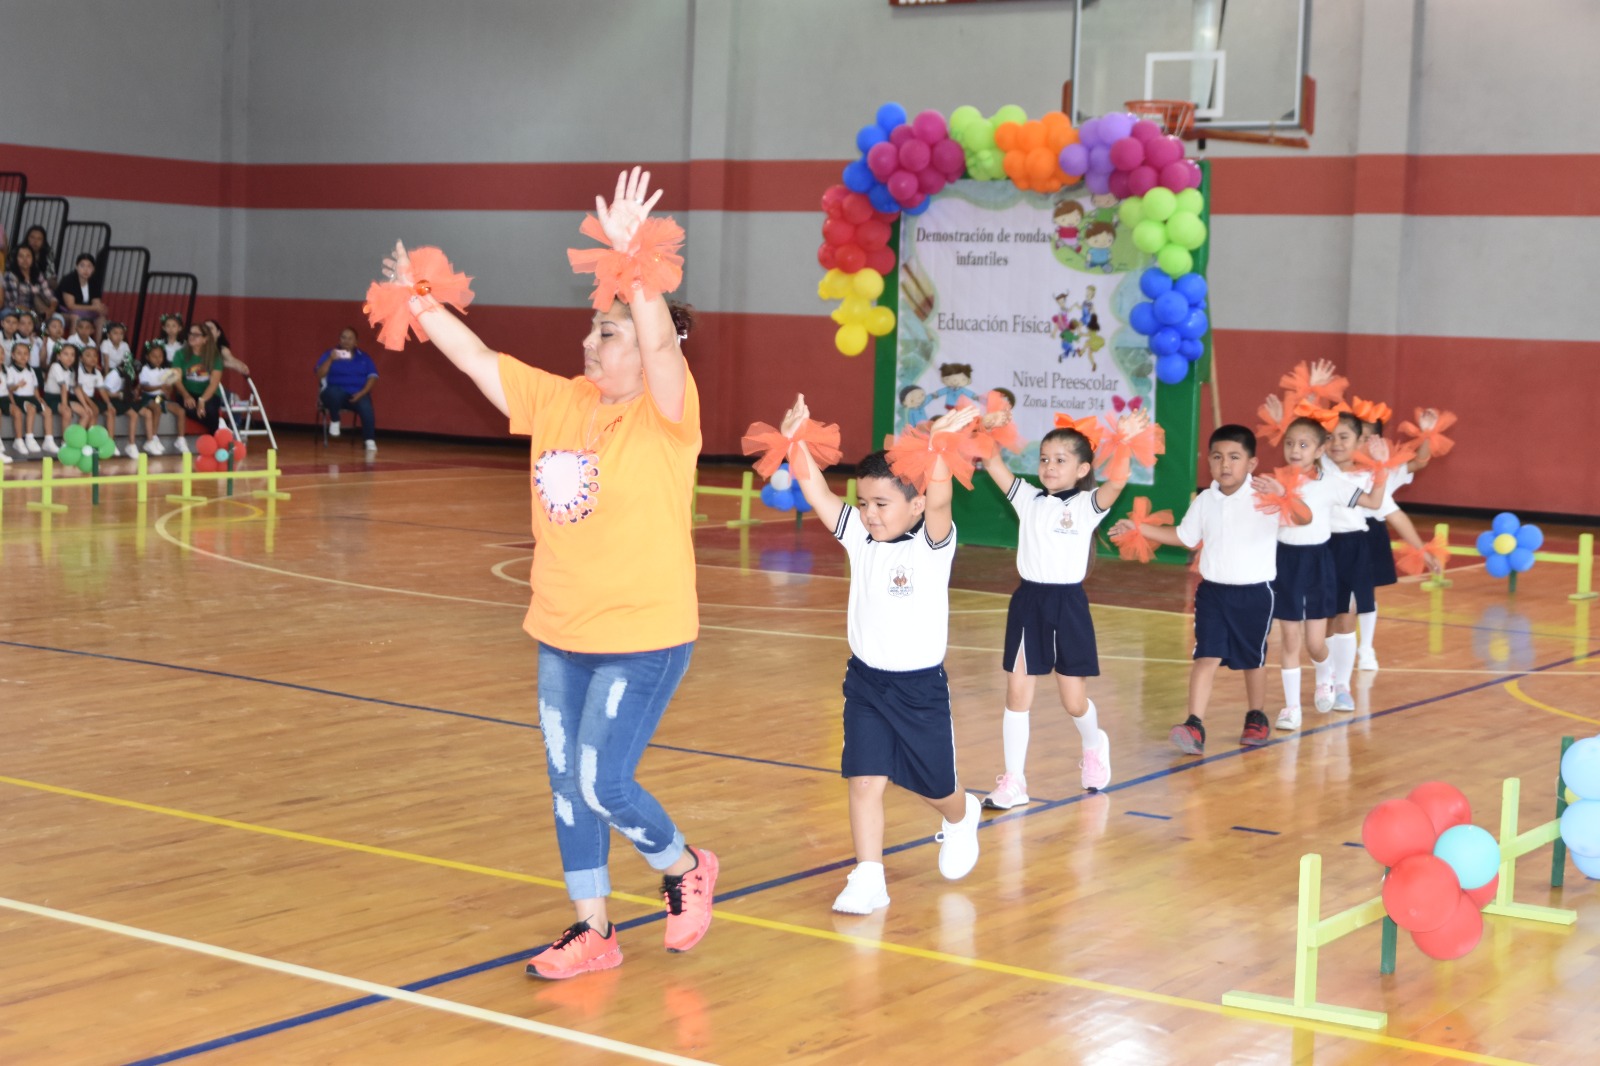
(347, 375)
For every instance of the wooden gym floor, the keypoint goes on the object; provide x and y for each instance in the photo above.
(271, 792)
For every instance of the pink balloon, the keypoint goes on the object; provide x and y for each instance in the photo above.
(1118, 184)
(1144, 131)
(930, 181)
(949, 159)
(1127, 154)
(915, 155)
(930, 128)
(901, 134)
(1075, 159)
(903, 187)
(1175, 176)
(1115, 126)
(883, 159)
(1195, 177)
(1141, 180)
(1162, 151)
(1098, 182)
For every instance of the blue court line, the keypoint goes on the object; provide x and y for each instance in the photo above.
(815, 871)
(383, 702)
(1354, 844)
(1263, 832)
(1147, 814)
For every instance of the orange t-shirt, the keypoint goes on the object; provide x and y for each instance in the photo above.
(613, 569)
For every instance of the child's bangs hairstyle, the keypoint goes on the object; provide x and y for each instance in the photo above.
(1349, 419)
(1312, 426)
(1079, 446)
(877, 465)
(1237, 434)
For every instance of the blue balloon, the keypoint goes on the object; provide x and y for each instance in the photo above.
(1192, 350)
(1521, 560)
(1165, 341)
(858, 177)
(1485, 543)
(891, 115)
(927, 202)
(1505, 522)
(1530, 537)
(1580, 768)
(1471, 852)
(868, 136)
(1588, 867)
(881, 200)
(1143, 318)
(1171, 369)
(1193, 288)
(1497, 565)
(1171, 309)
(1155, 282)
(1580, 828)
(1194, 325)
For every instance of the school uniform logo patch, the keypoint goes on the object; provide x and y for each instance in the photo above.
(900, 581)
(1065, 525)
(568, 483)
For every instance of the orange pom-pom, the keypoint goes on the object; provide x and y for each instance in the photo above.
(913, 455)
(388, 306)
(1327, 418)
(1369, 410)
(1006, 436)
(1134, 544)
(651, 265)
(1117, 451)
(1411, 560)
(1273, 431)
(1289, 506)
(821, 440)
(1438, 443)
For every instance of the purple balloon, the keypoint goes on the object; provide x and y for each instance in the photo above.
(1162, 151)
(929, 126)
(1098, 181)
(1100, 158)
(915, 155)
(1145, 131)
(1089, 133)
(1127, 154)
(1075, 159)
(903, 187)
(949, 159)
(1141, 180)
(1175, 176)
(1115, 126)
(883, 159)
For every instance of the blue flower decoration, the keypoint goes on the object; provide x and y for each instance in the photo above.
(781, 494)
(1507, 546)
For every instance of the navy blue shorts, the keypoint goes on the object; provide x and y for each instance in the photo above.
(1051, 627)
(1304, 587)
(1352, 573)
(1231, 623)
(1380, 554)
(897, 725)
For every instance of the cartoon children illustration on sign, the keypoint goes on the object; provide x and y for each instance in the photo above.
(956, 377)
(1098, 239)
(1068, 217)
(913, 405)
(1066, 327)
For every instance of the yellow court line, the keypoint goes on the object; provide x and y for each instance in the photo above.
(723, 914)
(1516, 691)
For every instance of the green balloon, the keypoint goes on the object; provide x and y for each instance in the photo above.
(1159, 204)
(979, 137)
(1150, 236)
(86, 462)
(1009, 113)
(70, 453)
(107, 449)
(962, 117)
(75, 436)
(1131, 211)
(1186, 230)
(1191, 201)
(98, 435)
(1174, 261)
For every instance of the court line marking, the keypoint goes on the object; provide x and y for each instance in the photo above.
(1087, 984)
(355, 984)
(1516, 691)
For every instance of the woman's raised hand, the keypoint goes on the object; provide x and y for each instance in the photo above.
(958, 419)
(628, 208)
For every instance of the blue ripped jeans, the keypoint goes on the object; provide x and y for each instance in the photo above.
(598, 713)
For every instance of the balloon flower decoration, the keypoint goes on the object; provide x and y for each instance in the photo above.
(1507, 546)
(781, 494)
(80, 446)
(1580, 822)
(216, 449)
(1442, 869)
(1173, 316)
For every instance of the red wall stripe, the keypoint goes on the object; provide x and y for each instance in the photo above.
(1548, 185)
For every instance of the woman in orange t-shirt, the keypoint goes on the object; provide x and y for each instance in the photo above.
(613, 606)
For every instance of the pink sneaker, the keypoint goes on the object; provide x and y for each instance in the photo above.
(1096, 765)
(688, 899)
(1010, 790)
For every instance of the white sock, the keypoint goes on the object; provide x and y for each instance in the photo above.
(1369, 623)
(1342, 653)
(1291, 687)
(873, 870)
(1014, 739)
(1324, 669)
(1088, 725)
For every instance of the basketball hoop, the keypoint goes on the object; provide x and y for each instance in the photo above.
(1174, 116)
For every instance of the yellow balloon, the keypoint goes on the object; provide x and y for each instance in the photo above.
(851, 340)
(1505, 543)
(880, 322)
(834, 285)
(867, 283)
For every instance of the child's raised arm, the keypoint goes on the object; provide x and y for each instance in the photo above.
(1372, 499)
(1129, 426)
(995, 464)
(813, 486)
(940, 493)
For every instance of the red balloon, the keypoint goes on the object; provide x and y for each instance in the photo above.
(1445, 805)
(882, 261)
(1141, 180)
(207, 464)
(1483, 894)
(872, 235)
(825, 253)
(1145, 131)
(837, 231)
(833, 197)
(883, 159)
(238, 453)
(856, 208)
(207, 444)
(850, 258)
(1397, 829)
(224, 437)
(1458, 935)
(1118, 184)
(1421, 893)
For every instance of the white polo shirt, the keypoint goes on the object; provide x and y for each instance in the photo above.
(1322, 496)
(1238, 543)
(899, 617)
(91, 382)
(1399, 477)
(154, 378)
(1348, 519)
(20, 380)
(59, 379)
(1056, 533)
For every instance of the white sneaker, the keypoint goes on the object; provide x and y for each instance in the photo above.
(1323, 699)
(1096, 765)
(1342, 701)
(1368, 660)
(864, 892)
(33, 446)
(181, 445)
(4, 458)
(1288, 719)
(372, 448)
(155, 447)
(1010, 790)
(333, 428)
(131, 451)
(50, 446)
(958, 843)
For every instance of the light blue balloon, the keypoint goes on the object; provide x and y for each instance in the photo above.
(1471, 852)
(1505, 522)
(1521, 560)
(1580, 768)
(1586, 866)
(1486, 542)
(1530, 537)
(1498, 566)
(1580, 828)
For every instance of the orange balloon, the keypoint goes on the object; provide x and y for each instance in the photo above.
(1015, 165)
(1032, 136)
(1005, 136)
(1053, 121)
(1041, 164)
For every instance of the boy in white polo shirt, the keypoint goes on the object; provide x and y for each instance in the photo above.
(897, 723)
(1233, 603)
